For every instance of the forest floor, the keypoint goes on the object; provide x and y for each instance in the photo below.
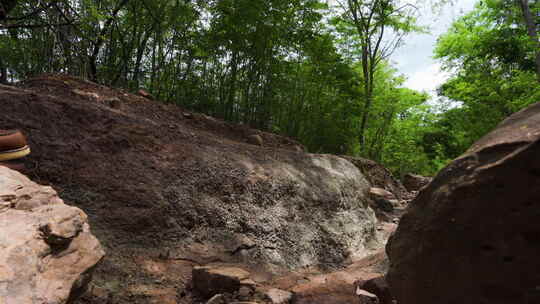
(84, 136)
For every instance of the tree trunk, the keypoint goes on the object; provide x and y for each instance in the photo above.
(3, 73)
(367, 96)
(531, 30)
(92, 59)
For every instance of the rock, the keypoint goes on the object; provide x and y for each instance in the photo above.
(472, 235)
(85, 94)
(379, 176)
(384, 205)
(413, 182)
(114, 102)
(217, 299)
(244, 293)
(47, 253)
(211, 280)
(381, 193)
(255, 139)
(379, 287)
(366, 297)
(278, 296)
(145, 94)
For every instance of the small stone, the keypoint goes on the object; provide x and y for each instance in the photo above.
(278, 296)
(99, 292)
(379, 193)
(255, 139)
(244, 293)
(366, 297)
(212, 280)
(377, 286)
(217, 299)
(85, 94)
(145, 94)
(248, 283)
(114, 102)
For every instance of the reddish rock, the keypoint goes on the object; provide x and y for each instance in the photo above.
(473, 235)
(381, 193)
(145, 94)
(379, 287)
(211, 280)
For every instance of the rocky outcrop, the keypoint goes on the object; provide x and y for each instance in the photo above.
(472, 236)
(414, 182)
(379, 177)
(157, 181)
(47, 252)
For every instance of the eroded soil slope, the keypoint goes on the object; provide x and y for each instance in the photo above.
(166, 189)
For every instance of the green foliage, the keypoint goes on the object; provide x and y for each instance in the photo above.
(297, 67)
(492, 59)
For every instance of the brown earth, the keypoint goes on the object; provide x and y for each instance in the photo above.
(166, 189)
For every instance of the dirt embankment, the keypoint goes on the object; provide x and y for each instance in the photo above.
(166, 189)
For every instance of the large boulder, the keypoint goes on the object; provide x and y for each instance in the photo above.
(47, 252)
(473, 235)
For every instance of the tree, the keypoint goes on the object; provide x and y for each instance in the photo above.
(492, 59)
(374, 21)
(531, 25)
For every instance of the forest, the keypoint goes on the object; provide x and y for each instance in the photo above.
(317, 71)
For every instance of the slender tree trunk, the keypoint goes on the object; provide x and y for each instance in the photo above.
(92, 60)
(531, 30)
(3, 73)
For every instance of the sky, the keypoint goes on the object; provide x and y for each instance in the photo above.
(415, 60)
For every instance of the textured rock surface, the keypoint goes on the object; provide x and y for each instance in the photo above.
(47, 252)
(473, 235)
